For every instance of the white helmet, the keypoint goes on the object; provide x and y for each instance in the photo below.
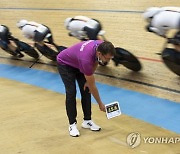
(150, 12)
(21, 23)
(66, 22)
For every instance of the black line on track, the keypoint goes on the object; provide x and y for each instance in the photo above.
(106, 75)
(79, 10)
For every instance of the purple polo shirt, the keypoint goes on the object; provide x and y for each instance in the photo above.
(81, 56)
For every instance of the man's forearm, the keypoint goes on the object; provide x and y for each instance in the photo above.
(95, 94)
(93, 89)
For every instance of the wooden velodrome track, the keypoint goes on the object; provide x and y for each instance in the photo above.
(36, 123)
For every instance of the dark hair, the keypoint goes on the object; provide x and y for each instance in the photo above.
(106, 48)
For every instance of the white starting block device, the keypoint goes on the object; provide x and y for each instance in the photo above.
(113, 110)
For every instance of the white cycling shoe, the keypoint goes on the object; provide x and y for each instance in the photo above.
(90, 125)
(73, 131)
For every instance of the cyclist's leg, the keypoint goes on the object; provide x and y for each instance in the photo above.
(92, 33)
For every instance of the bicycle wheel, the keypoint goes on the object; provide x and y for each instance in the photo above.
(127, 59)
(47, 51)
(171, 59)
(4, 47)
(29, 50)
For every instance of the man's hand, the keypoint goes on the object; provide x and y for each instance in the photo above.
(148, 28)
(156, 31)
(86, 86)
(102, 107)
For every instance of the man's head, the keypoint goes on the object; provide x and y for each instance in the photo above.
(66, 22)
(150, 12)
(105, 52)
(21, 23)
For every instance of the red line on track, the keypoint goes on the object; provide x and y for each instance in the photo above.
(150, 59)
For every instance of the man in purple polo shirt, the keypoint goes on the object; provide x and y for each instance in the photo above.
(78, 63)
